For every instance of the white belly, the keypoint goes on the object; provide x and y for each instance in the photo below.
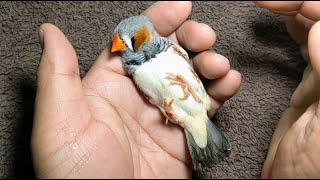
(151, 79)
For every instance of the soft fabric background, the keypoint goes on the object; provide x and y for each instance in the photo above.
(253, 39)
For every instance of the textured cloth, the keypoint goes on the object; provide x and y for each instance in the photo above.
(253, 39)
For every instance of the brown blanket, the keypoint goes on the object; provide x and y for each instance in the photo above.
(253, 39)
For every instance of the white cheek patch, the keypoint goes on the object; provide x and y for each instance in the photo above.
(127, 41)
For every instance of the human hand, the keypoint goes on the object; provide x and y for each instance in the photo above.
(294, 149)
(101, 126)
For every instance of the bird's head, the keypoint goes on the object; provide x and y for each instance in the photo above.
(132, 33)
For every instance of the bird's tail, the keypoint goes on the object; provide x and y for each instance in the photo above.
(216, 150)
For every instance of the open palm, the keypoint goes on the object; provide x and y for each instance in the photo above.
(101, 126)
(294, 149)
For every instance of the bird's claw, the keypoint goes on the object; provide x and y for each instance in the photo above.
(181, 81)
(167, 106)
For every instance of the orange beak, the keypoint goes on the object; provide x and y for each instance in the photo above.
(117, 44)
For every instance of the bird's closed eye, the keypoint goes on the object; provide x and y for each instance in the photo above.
(132, 42)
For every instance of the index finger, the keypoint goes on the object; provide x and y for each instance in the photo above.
(168, 16)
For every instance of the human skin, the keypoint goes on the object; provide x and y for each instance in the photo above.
(295, 146)
(87, 128)
(101, 126)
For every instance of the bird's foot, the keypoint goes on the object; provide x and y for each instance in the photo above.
(181, 81)
(167, 106)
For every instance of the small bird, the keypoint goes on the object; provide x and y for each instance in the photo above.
(164, 73)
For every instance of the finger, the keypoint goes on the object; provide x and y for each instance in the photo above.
(168, 16)
(211, 65)
(195, 36)
(308, 9)
(311, 10)
(298, 27)
(314, 47)
(298, 104)
(59, 90)
(222, 89)
(281, 7)
(303, 13)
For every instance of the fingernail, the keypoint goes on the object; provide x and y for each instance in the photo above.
(40, 32)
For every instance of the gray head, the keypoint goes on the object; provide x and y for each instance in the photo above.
(134, 37)
(131, 33)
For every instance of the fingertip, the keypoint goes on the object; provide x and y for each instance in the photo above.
(47, 25)
(211, 65)
(225, 87)
(167, 16)
(235, 78)
(208, 32)
(183, 4)
(58, 53)
(47, 28)
(196, 36)
(51, 29)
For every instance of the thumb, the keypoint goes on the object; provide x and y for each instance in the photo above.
(314, 47)
(59, 99)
